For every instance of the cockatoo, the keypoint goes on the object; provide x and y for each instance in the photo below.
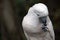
(37, 24)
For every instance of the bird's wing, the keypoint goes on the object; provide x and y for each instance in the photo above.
(26, 36)
(50, 27)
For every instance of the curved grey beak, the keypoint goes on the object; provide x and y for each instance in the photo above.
(43, 20)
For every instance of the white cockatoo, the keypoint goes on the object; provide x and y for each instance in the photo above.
(37, 24)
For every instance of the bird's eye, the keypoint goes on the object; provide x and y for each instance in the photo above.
(37, 14)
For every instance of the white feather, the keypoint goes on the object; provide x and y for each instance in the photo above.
(32, 25)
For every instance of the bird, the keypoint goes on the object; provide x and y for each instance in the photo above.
(37, 24)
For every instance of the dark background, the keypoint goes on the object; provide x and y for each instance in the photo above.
(13, 11)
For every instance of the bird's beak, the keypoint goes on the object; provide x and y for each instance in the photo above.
(43, 20)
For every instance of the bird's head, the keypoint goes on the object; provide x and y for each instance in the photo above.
(41, 11)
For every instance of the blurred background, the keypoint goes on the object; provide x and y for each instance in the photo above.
(13, 11)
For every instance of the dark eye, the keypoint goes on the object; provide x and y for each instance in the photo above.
(37, 14)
